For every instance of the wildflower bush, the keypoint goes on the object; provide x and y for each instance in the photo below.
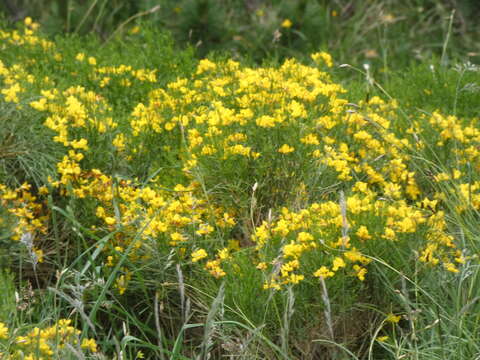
(263, 206)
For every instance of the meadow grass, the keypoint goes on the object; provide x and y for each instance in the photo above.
(157, 206)
(386, 33)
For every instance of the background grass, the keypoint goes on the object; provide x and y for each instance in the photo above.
(386, 33)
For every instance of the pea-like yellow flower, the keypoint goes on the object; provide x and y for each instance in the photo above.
(80, 57)
(286, 149)
(109, 220)
(363, 233)
(338, 263)
(199, 255)
(392, 318)
(89, 344)
(287, 23)
(322, 56)
(3, 331)
(323, 272)
(451, 267)
(262, 265)
(360, 271)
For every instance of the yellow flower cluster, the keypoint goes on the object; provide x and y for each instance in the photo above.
(47, 343)
(27, 216)
(290, 129)
(318, 232)
(124, 74)
(174, 217)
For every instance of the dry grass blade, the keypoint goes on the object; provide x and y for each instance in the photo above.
(158, 326)
(287, 316)
(209, 326)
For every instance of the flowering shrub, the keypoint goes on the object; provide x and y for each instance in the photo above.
(272, 162)
(288, 130)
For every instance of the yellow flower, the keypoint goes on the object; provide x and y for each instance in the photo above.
(322, 56)
(304, 237)
(393, 318)
(214, 269)
(296, 109)
(79, 144)
(360, 272)
(289, 267)
(287, 23)
(293, 250)
(3, 331)
(223, 254)
(38, 254)
(89, 344)
(119, 142)
(310, 139)
(271, 285)
(451, 267)
(338, 263)
(39, 105)
(205, 65)
(389, 234)
(199, 255)
(363, 233)
(122, 282)
(428, 254)
(262, 265)
(176, 237)
(110, 220)
(266, 121)
(285, 149)
(204, 229)
(324, 272)
(135, 30)
(11, 93)
(294, 279)
(80, 56)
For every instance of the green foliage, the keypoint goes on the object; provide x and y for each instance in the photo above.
(7, 302)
